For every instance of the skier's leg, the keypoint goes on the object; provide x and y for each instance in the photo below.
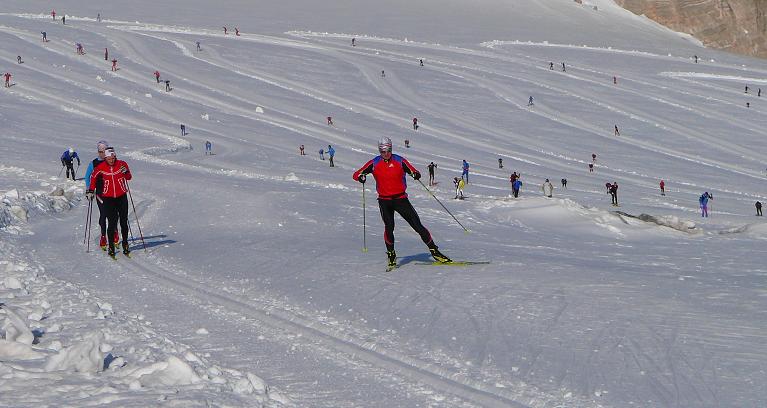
(122, 209)
(102, 217)
(387, 215)
(111, 209)
(406, 211)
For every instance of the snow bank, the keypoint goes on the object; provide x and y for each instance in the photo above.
(168, 373)
(17, 207)
(84, 357)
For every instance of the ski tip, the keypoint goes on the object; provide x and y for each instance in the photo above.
(364, 249)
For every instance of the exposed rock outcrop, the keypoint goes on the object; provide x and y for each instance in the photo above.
(738, 26)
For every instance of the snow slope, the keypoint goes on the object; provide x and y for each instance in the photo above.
(254, 260)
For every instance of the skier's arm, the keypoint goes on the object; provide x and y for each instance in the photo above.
(366, 169)
(87, 177)
(94, 176)
(77, 157)
(409, 168)
(128, 175)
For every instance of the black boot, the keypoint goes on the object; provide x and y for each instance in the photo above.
(111, 250)
(126, 248)
(439, 256)
(392, 257)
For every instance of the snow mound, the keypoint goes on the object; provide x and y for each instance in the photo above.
(168, 373)
(16, 207)
(84, 357)
(11, 350)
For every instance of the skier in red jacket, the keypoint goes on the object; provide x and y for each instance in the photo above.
(7, 79)
(114, 175)
(389, 171)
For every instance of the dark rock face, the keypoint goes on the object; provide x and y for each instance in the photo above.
(738, 26)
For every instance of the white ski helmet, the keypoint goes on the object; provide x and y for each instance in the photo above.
(384, 144)
(71, 150)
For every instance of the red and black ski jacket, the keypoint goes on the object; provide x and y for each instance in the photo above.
(113, 179)
(389, 175)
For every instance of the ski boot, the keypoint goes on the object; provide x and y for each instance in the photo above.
(126, 249)
(103, 243)
(116, 237)
(111, 250)
(439, 256)
(392, 258)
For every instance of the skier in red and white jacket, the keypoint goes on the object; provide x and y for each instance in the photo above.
(389, 171)
(114, 175)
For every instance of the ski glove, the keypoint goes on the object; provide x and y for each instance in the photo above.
(123, 170)
(89, 194)
(417, 175)
(361, 178)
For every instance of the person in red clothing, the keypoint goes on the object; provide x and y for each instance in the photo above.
(157, 76)
(662, 187)
(389, 171)
(114, 65)
(7, 79)
(114, 175)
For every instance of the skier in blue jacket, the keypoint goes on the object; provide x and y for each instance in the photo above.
(465, 173)
(331, 153)
(67, 159)
(703, 200)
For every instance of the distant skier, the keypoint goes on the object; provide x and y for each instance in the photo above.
(608, 186)
(114, 64)
(322, 154)
(198, 46)
(746, 89)
(662, 188)
(157, 76)
(106, 54)
(703, 201)
(530, 101)
(407, 143)
(547, 188)
(389, 171)
(353, 42)
(236, 31)
(614, 193)
(758, 209)
(67, 159)
(459, 185)
(564, 68)
(515, 186)
(98, 17)
(7, 76)
(64, 19)
(183, 130)
(500, 163)
(759, 92)
(748, 104)
(167, 86)
(431, 167)
(514, 177)
(114, 196)
(331, 153)
(101, 151)
(53, 14)
(591, 167)
(383, 74)
(593, 157)
(330, 121)
(45, 36)
(696, 59)
(564, 183)
(301, 150)
(465, 172)
(18, 59)
(615, 80)
(421, 62)
(208, 148)
(225, 30)
(415, 123)
(551, 66)
(79, 49)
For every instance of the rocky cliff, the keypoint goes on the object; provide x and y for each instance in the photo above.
(733, 25)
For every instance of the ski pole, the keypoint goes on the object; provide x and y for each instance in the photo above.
(62, 169)
(364, 223)
(136, 215)
(443, 206)
(88, 223)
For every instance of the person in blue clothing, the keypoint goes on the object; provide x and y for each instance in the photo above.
(100, 149)
(465, 174)
(703, 200)
(208, 147)
(515, 186)
(322, 154)
(331, 153)
(67, 159)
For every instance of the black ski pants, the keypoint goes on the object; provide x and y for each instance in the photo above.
(102, 216)
(70, 168)
(406, 211)
(614, 197)
(117, 209)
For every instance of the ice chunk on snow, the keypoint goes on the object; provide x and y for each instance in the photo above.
(15, 328)
(259, 109)
(168, 373)
(12, 283)
(202, 330)
(82, 357)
